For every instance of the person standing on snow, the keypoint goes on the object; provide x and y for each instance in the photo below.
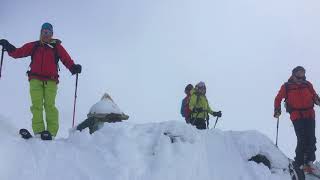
(43, 78)
(300, 98)
(199, 107)
(185, 111)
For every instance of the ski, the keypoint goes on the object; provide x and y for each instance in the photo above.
(45, 135)
(25, 134)
(312, 175)
(295, 172)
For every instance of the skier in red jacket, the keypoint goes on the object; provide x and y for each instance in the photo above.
(43, 78)
(300, 98)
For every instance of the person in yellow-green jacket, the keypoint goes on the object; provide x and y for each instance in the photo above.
(199, 107)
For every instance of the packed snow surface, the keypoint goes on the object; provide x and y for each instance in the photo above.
(125, 151)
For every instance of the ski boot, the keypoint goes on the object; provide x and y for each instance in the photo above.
(46, 135)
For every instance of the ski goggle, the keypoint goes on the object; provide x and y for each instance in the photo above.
(301, 77)
(46, 32)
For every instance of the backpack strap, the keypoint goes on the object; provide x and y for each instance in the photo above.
(34, 49)
(197, 102)
(286, 88)
(52, 46)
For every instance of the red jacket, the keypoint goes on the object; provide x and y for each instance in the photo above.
(300, 98)
(44, 66)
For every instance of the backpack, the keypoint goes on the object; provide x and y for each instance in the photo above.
(289, 109)
(185, 107)
(52, 46)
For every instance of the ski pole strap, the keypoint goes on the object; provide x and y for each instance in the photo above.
(2, 53)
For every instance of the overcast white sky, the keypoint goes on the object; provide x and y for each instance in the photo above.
(144, 52)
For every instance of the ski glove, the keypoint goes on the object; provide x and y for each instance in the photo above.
(317, 100)
(6, 45)
(76, 69)
(277, 112)
(217, 114)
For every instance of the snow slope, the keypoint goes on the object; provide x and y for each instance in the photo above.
(125, 151)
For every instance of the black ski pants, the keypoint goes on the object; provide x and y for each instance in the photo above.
(306, 140)
(199, 123)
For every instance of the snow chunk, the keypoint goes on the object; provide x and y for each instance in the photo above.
(105, 106)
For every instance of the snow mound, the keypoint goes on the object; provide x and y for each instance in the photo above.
(125, 151)
(105, 106)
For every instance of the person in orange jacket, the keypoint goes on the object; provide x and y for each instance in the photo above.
(300, 98)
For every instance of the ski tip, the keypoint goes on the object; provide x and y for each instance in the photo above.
(25, 134)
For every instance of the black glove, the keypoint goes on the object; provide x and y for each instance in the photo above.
(217, 114)
(277, 112)
(198, 110)
(6, 45)
(76, 69)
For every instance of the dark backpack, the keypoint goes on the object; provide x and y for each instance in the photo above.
(52, 47)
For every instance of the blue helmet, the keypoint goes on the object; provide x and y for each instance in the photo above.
(47, 26)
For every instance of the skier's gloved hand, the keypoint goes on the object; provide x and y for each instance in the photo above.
(317, 100)
(6, 45)
(4, 42)
(277, 113)
(198, 110)
(217, 114)
(76, 69)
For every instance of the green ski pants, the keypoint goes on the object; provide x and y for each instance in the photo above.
(43, 95)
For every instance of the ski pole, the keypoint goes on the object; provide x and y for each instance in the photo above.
(2, 53)
(207, 120)
(277, 131)
(215, 123)
(75, 100)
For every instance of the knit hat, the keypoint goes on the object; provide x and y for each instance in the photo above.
(201, 87)
(188, 88)
(298, 68)
(47, 26)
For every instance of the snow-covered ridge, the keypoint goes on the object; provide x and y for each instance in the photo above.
(125, 151)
